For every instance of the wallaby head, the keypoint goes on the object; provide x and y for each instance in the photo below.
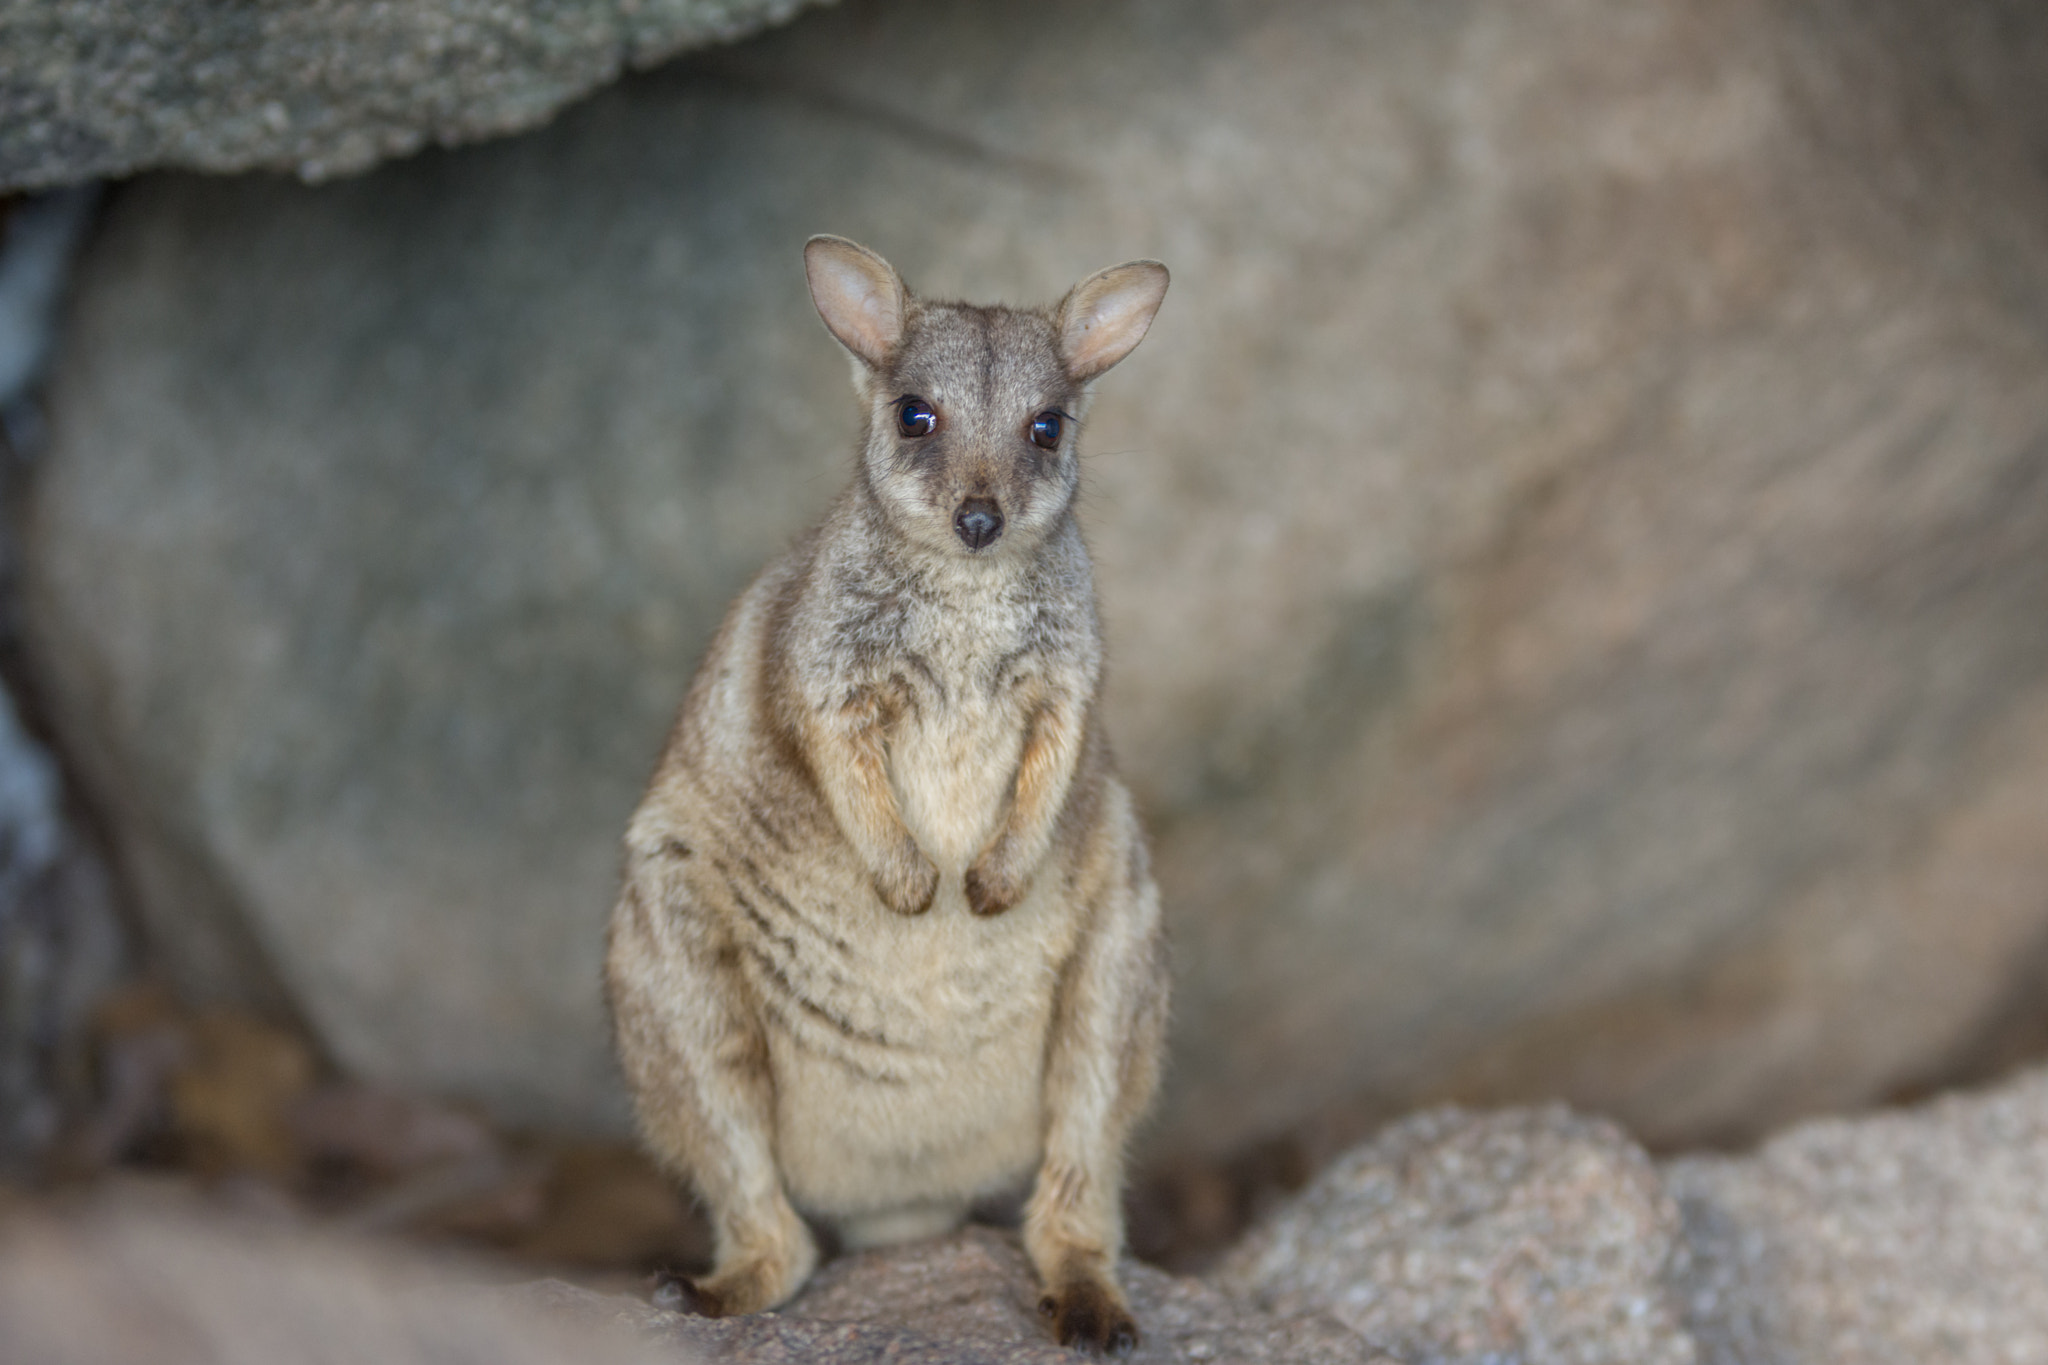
(972, 412)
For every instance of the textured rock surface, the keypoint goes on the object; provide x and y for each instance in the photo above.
(968, 1299)
(1530, 1235)
(1572, 547)
(106, 87)
(977, 1287)
(1909, 1237)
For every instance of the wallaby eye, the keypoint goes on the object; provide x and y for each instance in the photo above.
(1045, 430)
(914, 417)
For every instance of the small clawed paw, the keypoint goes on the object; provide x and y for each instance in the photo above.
(988, 894)
(1092, 1317)
(908, 887)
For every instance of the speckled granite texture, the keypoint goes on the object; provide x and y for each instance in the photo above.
(106, 87)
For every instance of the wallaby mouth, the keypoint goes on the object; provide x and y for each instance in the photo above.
(978, 523)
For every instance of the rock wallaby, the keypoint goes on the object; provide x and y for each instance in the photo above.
(888, 941)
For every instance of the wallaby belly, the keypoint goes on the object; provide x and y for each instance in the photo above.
(918, 1076)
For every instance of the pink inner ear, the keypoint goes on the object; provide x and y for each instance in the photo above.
(1110, 315)
(859, 300)
(878, 313)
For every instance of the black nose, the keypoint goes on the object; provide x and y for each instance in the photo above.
(978, 523)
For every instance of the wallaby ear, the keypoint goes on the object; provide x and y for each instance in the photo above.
(1104, 317)
(858, 294)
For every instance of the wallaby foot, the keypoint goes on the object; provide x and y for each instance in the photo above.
(749, 1282)
(1089, 1313)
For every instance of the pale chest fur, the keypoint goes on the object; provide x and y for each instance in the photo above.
(951, 768)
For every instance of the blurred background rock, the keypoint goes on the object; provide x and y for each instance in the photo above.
(1574, 548)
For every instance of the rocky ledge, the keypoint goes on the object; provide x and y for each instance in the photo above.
(1454, 1238)
(108, 87)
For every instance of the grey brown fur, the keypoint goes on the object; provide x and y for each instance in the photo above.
(888, 941)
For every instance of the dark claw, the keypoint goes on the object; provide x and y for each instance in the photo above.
(1089, 1316)
(983, 898)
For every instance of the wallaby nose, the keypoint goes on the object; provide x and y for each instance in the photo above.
(978, 523)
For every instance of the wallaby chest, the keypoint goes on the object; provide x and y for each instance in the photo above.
(965, 674)
(954, 747)
(950, 771)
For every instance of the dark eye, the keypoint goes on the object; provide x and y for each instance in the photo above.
(914, 417)
(1045, 430)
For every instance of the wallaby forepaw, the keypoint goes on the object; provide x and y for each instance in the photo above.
(1091, 1316)
(908, 884)
(989, 892)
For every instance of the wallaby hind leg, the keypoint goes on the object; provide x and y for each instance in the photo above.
(698, 1065)
(1102, 1067)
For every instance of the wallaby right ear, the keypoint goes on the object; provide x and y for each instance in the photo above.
(858, 294)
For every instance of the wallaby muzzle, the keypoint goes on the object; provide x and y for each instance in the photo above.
(978, 522)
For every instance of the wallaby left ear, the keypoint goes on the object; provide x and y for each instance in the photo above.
(1104, 317)
(858, 294)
